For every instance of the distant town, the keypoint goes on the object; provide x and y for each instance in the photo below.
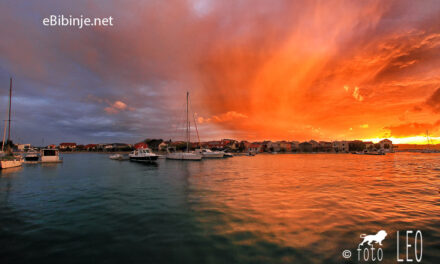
(228, 145)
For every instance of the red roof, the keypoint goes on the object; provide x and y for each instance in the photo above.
(140, 145)
(91, 145)
(68, 144)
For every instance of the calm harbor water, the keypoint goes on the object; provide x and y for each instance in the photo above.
(262, 209)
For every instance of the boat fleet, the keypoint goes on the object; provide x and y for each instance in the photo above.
(8, 159)
(146, 155)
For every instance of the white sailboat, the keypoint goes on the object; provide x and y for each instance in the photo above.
(188, 155)
(8, 160)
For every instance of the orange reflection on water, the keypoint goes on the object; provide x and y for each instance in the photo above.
(315, 200)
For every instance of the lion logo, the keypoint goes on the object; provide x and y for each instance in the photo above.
(378, 238)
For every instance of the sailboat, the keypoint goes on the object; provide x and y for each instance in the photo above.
(8, 160)
(429, 141)
(187, 155)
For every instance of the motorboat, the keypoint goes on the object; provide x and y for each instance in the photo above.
(190, 155)
(209, 154)
(378, 152)
(228, 155)
(118, 157)
(32, 156)
(143, 155)
(50, 155)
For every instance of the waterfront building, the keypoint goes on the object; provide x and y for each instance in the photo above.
(356, 146)
(340, 146)
(162, 146)
(23, 147)
(91, 147)
(295, 146)
(273, 146)
(253, 147)
(386, 145)
(285, 146)
(305, 147)
(369, 145)
(325, 146)
(67, 146)
(315, 145)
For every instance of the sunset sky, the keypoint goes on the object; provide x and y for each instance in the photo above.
(293, 70)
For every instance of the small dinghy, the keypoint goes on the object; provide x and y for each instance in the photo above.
(118, 157)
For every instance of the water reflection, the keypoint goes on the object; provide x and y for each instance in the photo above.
(9, 171)
(262, 209)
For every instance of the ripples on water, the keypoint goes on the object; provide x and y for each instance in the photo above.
(262, 209)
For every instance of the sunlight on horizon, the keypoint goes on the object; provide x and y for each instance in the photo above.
(418, 140)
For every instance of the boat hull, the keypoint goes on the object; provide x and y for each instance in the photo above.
(54, 159)
(212, 155)
(5, 164)
(33, 158)
(184, 156)
(144, 159)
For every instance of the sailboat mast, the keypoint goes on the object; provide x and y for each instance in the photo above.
(10, 102)
(187, 123)
(4, 135)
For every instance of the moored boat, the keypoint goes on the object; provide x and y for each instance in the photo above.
(172, 155)
(187, 155)
(209, 154)
(32, 156)
(228, 155)
(50, 155)
(8, 160)
(143, 155)
(118, 157)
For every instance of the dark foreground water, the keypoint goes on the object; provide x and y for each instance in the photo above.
(262, 209)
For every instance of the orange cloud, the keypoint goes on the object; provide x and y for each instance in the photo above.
(117, 107)
(412, 129)
(225, 117)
